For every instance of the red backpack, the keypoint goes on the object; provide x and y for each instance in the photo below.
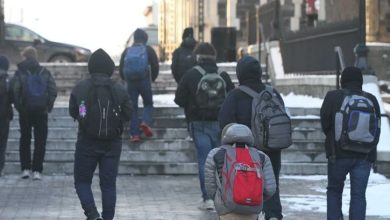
(242, 180)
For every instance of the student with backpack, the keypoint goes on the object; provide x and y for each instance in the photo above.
(350, 119)
(34, 93)
(183, 58)
(6, 113)
(101, 106)
(238, 176)
(201, 92)
(261, 108)
(139, 68)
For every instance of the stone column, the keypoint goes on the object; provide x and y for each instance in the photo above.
(295, 21)
(231, 14)
(322, 11)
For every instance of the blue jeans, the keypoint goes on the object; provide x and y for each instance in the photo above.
(206, 136)
(135, 89)
(89, 154)
(359, 171)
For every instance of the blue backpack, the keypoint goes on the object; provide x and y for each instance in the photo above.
(136, 63)
(36, 94)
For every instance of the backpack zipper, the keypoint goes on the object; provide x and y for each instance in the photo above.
(100, 113)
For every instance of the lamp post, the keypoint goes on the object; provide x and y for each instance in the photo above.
(361, 49)
(275, 35)
(2, 24)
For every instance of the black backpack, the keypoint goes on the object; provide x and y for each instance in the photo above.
(4, 106)
(35, 92)
(211, 90)
(100, 114)
(185, 62)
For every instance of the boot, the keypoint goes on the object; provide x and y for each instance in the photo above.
(92, 214)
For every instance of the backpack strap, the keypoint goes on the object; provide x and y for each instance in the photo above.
(249, 91)
(200, 70)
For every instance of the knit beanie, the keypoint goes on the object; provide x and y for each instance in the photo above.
(188, 32)
(351, 74)
(248, 68)
(30, 52)
(4, 63)
(101, 62)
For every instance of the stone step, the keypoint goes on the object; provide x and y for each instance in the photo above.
(126, 168)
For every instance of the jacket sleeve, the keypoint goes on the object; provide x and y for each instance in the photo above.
(52, 91)
(210, 179)
(16, 90)
(174, 65)
(326, 114)
(153, 60)
(227, 113)
(269, 178)
(73, 106)
(182, 92)
(228, 81)
(126, 106)
(121, 74)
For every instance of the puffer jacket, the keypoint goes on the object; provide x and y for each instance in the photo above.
(231, 134)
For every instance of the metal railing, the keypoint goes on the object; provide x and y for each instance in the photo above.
(340, 65)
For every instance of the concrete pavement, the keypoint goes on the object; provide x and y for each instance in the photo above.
(151, 197)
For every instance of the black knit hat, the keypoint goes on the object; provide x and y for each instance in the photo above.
(351, 74)
(248, 68)
(205, 51)
(140, 36)
(101, 62)
(4, 63)
(188, 32)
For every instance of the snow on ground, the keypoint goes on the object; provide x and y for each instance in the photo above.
(377, 203)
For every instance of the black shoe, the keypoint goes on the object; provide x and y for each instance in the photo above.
(92, 214)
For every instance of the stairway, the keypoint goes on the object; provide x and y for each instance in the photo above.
(168, 151)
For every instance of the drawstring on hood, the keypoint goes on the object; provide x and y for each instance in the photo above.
(101, 62)
(248, 68)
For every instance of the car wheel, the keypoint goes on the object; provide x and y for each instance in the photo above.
(61, 59)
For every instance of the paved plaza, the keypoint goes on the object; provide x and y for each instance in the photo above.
(146, 198)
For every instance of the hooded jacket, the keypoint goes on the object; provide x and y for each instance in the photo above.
(101, 68)
(241, 135)
(141, 37)
(237, 107)
(185, 95)
(18, 84)
(351, 80)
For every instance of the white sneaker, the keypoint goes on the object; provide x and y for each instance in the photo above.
(206, 205)
(25, 174)
(37, 175)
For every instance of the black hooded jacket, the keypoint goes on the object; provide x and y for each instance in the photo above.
(179, 67)
(18, 84)
(332, 103)
(101, 68)
(237, 107)
(185, 95)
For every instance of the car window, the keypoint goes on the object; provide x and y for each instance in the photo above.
(19, 34)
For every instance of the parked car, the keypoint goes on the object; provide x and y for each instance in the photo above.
(18, 37)
(152, 32)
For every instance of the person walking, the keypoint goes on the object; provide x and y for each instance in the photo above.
(201, 92)
(258, 183)
(6, 113)
(101, 107)
(182, 57)
(350, 119)
(237, 108)
(34, 93)
(139, 67)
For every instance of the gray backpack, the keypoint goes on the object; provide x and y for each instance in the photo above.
(242, 184)
(211, 89)
(356, 123)
(270, 124)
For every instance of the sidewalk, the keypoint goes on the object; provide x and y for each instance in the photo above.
(149, 198)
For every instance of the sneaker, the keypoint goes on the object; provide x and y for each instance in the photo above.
(135, 139)
(37, 175)
(206, 205)
(25, 174)
(146, 129)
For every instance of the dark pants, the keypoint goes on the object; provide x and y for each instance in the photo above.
(359, 172)
(89, 154)
(27, 122)
(135, 89)
(272, 207)
(4, 129)
(206, 135)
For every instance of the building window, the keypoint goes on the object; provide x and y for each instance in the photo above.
(387, 22)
